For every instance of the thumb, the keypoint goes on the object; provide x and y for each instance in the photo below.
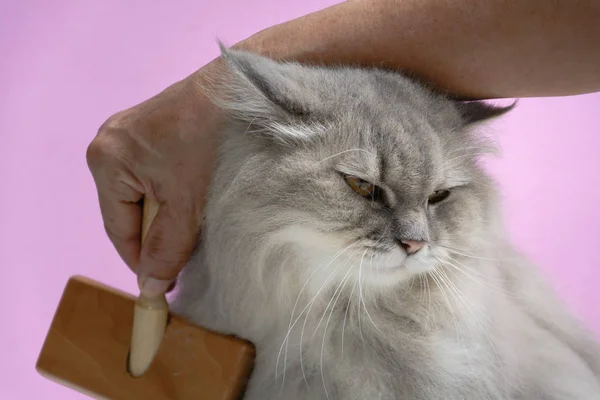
(170, 240)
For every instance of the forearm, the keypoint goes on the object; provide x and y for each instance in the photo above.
(471, 48)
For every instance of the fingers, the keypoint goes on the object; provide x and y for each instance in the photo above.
(119, 193)
(122, 221)
(171, 239)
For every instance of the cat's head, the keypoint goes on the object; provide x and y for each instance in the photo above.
(361, 170)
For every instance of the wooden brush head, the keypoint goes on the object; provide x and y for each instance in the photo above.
(88, 342)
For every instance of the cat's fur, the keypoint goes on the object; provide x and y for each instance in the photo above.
(312, 273)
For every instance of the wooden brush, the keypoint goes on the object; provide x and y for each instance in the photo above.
(108, 345)
(149, 315)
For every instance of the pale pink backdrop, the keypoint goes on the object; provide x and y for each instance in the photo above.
(65, 66)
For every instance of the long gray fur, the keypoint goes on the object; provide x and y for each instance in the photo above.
(292, 259)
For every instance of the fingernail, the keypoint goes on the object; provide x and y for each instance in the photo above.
(152, 287)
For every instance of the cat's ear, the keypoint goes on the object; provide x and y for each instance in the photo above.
(475, 112)
(271, 97)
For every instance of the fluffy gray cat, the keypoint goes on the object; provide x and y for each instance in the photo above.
(353, 237)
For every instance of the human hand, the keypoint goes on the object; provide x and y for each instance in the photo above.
(162, 149)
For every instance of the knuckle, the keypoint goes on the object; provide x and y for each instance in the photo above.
(116, 122)
(109, 143)
(95, 153)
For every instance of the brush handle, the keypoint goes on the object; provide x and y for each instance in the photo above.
(150, 314)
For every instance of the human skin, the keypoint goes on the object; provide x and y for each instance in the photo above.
(164, 148)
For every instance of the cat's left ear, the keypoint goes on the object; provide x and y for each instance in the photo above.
(475, 112)
(273, 97)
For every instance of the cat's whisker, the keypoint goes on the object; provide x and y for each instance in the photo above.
(465, 254)
(426, 295)
(474, 272)
(455, 292)
(344, 152)
(465, 270)
(473, 278)
(473, 310)
(429, 301)
(335, 293)
(408, 290)
(362, 298)
(249, 125)
(343, 284)
(358, 313)
(434, 276)
(421, 292)
(346, 313)
(358, 310)
(291, 325)
(480, 240)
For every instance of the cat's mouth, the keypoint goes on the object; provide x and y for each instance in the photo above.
(386, 263)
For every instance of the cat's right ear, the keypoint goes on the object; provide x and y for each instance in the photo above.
(475, 112)
(269, 96)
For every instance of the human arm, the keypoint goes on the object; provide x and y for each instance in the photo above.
(164, 148)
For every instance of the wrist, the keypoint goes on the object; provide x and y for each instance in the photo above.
(200, 86)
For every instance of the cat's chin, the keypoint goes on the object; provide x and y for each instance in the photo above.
(395, 266)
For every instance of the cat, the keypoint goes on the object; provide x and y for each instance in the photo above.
(353, 236)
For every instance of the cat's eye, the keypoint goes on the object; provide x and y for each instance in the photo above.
(438, 196)
(363, 188)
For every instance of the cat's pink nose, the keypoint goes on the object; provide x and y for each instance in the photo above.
(412, 246)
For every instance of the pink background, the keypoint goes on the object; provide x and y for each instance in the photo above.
(65, 66)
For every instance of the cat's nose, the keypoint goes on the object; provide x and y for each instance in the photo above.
(412, 246)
